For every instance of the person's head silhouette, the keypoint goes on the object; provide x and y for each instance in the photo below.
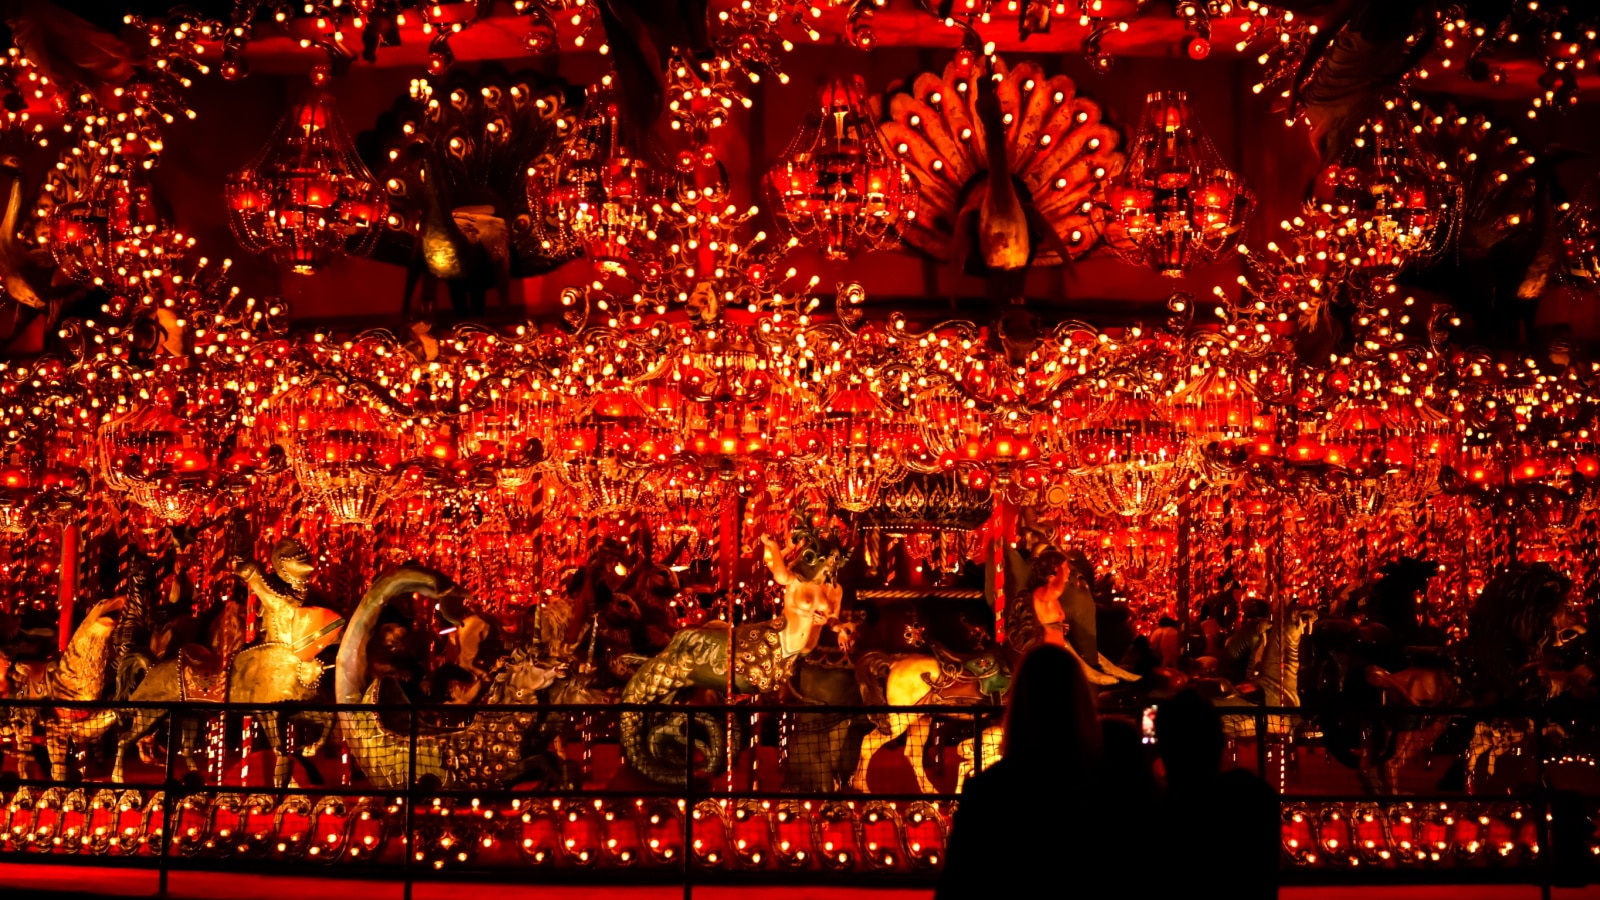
(1189, 739)
(1051, 718)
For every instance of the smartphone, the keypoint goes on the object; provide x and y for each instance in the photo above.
(1147, 725)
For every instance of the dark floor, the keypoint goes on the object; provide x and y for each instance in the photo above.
(62, 882)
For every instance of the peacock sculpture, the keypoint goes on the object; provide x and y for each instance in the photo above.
(1010, 162)
(455, 154)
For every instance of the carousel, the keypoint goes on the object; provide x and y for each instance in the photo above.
(637, 439)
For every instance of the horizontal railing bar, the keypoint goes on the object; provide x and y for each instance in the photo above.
(879, 709)
(701, 792)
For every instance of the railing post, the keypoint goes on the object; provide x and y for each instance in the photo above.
(411, 804)
(1545, 866)
(1261, 742)
(169, 800)
(688, 806)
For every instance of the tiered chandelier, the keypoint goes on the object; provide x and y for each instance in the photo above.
(306, 197)
(837, 185)
(1175, 207)
(601, 196)
(1390, 205)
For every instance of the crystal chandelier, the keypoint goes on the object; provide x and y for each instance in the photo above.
(113, 235)
(603, 457)
(159, 461)
(509, 433)
(1392, 206)
(837, 185)
(306, 196)
(854, 450)
(599, 196)
(1175, 206)
(340, 450)
(1580, 235)
(1130, 458)
(40, 474)
(948, 423)
(1379, 454)
(1218, 414)
(1214, 406)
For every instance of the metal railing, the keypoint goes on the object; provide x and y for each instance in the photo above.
(785, 808)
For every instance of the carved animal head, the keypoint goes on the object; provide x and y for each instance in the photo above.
(1299, 622)
(1567, 626)
(523, 675)
(103, 615)
(292, 563)
(1526, 605)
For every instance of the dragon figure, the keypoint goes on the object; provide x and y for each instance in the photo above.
(280, 668)
(762, 657)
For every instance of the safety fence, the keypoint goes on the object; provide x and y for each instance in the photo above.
(846, 794)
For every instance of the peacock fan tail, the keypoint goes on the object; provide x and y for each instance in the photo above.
(1059, 152)
(481, 133)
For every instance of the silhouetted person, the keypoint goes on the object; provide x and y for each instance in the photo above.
(1223, 828)
(1140, 659)
(1126, 804)
(1126, 767)
(1167, 642)
(1032, 820)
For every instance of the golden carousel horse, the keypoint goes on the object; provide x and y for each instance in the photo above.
(940, 679)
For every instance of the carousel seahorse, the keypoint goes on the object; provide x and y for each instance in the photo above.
(282, 667)
(491, 749)
(79, 673)
(763, 659)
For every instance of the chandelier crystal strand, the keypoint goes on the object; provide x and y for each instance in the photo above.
(1176, 206)
(306, 197)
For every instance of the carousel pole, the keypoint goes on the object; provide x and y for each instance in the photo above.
(1003, 534)
(1280, 603)
(68, 590)
(1183, 597)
